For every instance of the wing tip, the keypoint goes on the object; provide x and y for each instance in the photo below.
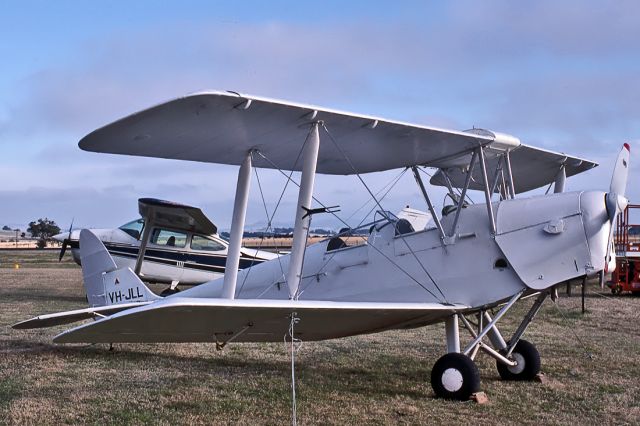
(22, 325)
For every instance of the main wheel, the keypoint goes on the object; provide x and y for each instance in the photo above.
(528, 363)
(455, 376)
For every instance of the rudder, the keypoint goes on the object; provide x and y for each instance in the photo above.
(104, 283)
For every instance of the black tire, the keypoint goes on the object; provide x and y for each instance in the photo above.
(528, 363)
(168, 292)
(455, 376)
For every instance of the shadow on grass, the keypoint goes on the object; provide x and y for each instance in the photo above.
(32, 296)
(382, 376)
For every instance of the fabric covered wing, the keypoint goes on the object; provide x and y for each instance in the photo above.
(68, 317)
(221, 127)
(532, 168)
(211, 320)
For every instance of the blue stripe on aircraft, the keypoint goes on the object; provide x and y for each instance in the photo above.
(203, 262)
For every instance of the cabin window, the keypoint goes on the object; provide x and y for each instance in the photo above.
(203, 243)
(134, 228)
(164, 237)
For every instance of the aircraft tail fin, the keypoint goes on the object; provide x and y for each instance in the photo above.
(104, 283)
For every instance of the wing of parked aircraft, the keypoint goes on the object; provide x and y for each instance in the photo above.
(175, 216)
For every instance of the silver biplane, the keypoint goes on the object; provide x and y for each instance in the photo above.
(472, 260)
(171, 243)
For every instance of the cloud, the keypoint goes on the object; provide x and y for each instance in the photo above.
(559, 75)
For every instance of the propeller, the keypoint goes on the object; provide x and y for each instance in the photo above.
(66, 242)
(615, 200)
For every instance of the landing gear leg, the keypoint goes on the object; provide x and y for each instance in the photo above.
(516, 359)
(454, 375)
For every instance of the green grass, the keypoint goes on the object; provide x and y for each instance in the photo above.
(35, 259)
(381, 378)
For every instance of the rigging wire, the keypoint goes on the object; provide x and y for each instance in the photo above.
(264, 203)
(616, 299)
(578, 339)
(396, 180)
(393, 182)
(360, 236)
(382, 211)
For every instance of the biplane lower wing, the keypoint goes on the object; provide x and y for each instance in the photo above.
(253, 320)
(68, 317)
(532, 168)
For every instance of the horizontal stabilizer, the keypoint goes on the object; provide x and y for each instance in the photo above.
(68, 317)
(250, 320)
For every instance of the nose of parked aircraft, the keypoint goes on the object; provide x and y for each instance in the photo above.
(61, 236)
(65, 239)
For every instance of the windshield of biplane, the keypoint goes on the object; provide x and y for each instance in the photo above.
(134, 228)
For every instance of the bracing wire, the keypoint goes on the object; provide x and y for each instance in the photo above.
(393, 184)
(346, 224)
(578, 339)
(382, 211)
(266, 210)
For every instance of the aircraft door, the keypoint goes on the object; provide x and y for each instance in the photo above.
(166, 255)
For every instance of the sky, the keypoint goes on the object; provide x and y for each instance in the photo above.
(560, 75)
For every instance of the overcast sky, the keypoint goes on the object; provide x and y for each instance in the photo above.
(560, 75)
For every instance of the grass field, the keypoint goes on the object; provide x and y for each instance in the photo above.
(590, 361)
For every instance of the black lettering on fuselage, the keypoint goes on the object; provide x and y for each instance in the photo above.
(118, 296)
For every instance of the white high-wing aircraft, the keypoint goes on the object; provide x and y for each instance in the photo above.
(171, 243)
(475, 258)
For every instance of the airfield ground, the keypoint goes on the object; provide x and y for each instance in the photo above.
(382, 378)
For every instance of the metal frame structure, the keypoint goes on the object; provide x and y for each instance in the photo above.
(626, 276)
(498, 348)
(501, 182)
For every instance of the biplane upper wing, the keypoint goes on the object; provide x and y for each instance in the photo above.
(531, 167)
(221, 127)
(253, 320)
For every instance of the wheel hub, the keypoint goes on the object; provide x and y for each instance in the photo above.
(452, 379)
(519, 367)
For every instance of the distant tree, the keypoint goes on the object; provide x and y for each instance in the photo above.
(322, 231)
(6, 228)
(43, 230)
